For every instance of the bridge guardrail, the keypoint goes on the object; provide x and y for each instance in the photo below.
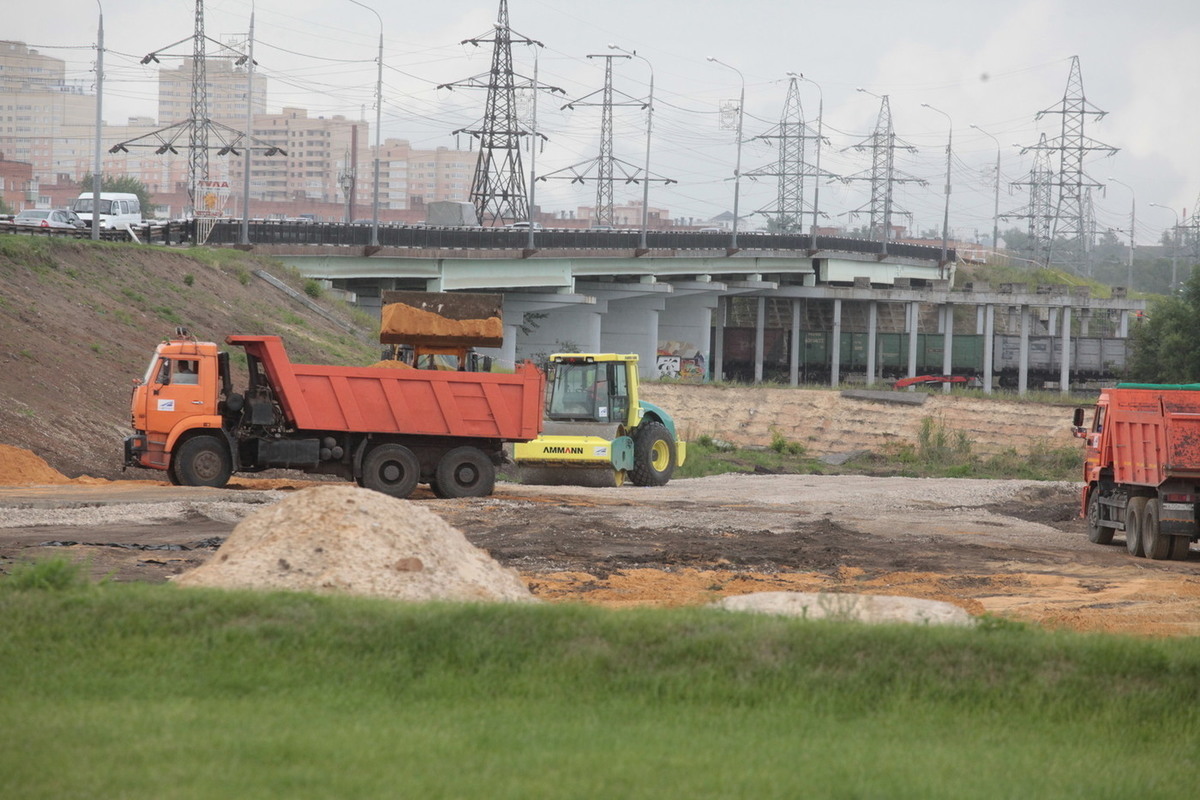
(266, 232)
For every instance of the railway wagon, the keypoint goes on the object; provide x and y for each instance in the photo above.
(1091, 357)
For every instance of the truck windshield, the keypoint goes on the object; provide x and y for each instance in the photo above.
(84, 204)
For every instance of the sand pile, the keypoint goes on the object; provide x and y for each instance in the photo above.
(22, 468)
(849, 607)
(344, 539)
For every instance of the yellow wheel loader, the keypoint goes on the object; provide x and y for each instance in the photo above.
(597, 430)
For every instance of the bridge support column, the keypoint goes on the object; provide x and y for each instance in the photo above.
(794, 348)
(914, 319)
(872, 335)
(835, 345)
(1064, 369)
(760, 324)
(1023, 357)
(947, 343)
(631, 326)
(684, 336)
(989, 338)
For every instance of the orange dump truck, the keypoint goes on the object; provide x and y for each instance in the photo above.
(388, 429)
(1142, 473)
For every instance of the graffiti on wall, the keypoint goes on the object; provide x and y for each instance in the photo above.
(681, 361)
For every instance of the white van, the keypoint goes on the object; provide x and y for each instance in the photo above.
(117, 209)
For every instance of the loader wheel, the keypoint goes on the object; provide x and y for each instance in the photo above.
(464, 472)
(1154, 543)
(202, 461)
(1097, 533)
(653, 455)
(391, 469)
(1134, 515)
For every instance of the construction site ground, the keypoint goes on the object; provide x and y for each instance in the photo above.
(1013, 549)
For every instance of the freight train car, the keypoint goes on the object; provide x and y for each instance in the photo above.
(1092, 358)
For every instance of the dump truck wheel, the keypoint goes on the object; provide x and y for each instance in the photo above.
(202, 461)
(172, 475)
(1154, 543)
(391, 469)
(1180, 547)
(1100, 534)
(1134, 516)
(653, 455)
(464, 472)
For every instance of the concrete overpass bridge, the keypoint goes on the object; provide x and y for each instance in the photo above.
(598, 291)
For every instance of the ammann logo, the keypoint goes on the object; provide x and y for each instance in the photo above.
(563, 450)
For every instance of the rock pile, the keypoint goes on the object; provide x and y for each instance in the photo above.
(343, 539)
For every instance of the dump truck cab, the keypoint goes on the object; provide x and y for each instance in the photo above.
(180, 393)
(595, 419)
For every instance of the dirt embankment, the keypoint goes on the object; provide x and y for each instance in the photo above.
(827, 421)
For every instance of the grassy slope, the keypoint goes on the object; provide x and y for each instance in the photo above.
(153, 691)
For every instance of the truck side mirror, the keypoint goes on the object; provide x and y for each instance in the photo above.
(1077, 420)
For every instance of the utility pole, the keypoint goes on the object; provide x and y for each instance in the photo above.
(996, 207)
(98, 167)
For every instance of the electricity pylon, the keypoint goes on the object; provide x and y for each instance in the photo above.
(606, 163)
(883, 175)
(199, 128)
(498, 187)
(1074, 235)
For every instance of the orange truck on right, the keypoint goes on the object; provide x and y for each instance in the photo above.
(1142, 471)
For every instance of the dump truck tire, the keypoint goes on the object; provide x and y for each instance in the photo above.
(392, 469)
(202, 461)
(653, 455)
(1134, 516)
(464, 472)
(1155, 544)
(1097, 533)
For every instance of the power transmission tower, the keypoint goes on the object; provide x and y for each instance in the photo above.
(1040, 211)
(882, 175)
(199, 128)
(790, 168)
(606, 162)
(1073, 235)
(498, 188)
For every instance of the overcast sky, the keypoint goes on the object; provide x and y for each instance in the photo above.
(984, 63)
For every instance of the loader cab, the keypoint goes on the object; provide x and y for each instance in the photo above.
(583, 388)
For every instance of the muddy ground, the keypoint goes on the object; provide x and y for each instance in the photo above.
(1008, 548)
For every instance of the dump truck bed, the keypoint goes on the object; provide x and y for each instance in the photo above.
(401, 401)
(1154, 434)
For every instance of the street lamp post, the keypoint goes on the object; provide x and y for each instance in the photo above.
(1175, 249)
(1132, 228)
(946, 211)
(996, 207)
(97, 165)
(649, 124)
(378, 125)
(817, 166)
(737, 170)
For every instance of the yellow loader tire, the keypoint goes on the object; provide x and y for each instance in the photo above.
(653, 455)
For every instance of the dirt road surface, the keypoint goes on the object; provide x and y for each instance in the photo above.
(1007, 548)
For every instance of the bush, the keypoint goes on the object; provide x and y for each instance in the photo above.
(51, 574)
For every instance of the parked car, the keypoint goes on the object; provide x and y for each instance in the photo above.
(537, 226)
(48, 218)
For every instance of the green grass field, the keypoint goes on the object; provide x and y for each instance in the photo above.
(142, 691)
